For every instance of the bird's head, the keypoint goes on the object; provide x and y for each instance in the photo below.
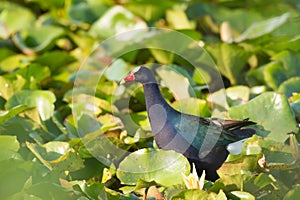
(140, 74)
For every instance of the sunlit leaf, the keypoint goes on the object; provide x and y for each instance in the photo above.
(195, 194)
(13, 62)
(176, 81)
(264, 27)
(115, 21)
(192, 106)
(238, 95)
(177, 19)
(10, 20)
(243, 195)
(10, 86)
(42, 100)
(272, 111)
(116, 71)
(5, 115)
(163, 167)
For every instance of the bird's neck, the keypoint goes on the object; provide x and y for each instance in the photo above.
(154, 97)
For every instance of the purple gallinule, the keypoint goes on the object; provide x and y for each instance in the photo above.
(203, 141)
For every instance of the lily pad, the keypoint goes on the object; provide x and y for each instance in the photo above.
(283, 67)
(176, 81)
(177, 19)
(238, 95)
(290, 86)
(292, 194)
(231, 60)
(195, 194)
(115, 21)
(86, 11)
(37, 39)
(163, 167)
(42, 100)
(272, 111)
(9, 147)
(14, 18)
(264, 27)
(56, 155)
(192, 106)
(274, 74)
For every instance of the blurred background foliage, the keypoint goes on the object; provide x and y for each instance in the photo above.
(45, 154)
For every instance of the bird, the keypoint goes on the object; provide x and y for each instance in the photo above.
(203, 141)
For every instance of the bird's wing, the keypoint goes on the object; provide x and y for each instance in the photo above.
(233, 130)
(200, 131)
(231, 125)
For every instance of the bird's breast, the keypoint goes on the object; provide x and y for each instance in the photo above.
(158, 118)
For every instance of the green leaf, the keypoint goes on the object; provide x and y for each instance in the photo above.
(274, 152)
(51, 190)
(242, 164)
(54, 60)
(292, 44)
(14, 18)
(52, 4)
(238, 95)
(115, 21)
(290, 86)
(13, 62)
(4, 53)
(117, 70)
(176, 81)
(274, 74)
(243, 195)
(106, 150)
(93, 191)
(141, 119)
(42, 100)
(221, 195)
(295, 103)
(150, 11)
(56, 156)
(254, 184)
(23, 128)
(292, 194)
(264, 27)
(163, 167)
(272, 111)
(238, 18)
(192, 106)
(33, 74)
(86, 11)
(162, 56)
(195, 194)
(177, 19)
(10, 86)
(9, 146)
(139, 185)
(231, 60)
(37, 39)
(5, 115)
